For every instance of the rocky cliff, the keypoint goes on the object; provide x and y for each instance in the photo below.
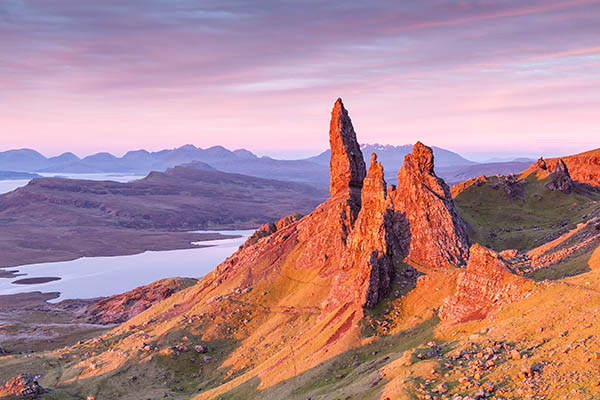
(582, 167)
(302, 291)
(347, 167)
(434, 231)
(482, 287)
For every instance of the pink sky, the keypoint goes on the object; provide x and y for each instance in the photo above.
(483, 78)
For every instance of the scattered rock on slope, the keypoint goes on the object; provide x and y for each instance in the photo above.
(24, 386)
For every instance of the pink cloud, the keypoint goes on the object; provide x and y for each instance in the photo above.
(113, 76)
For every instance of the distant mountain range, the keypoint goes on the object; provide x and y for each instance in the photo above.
(392, 157)
(315, 170)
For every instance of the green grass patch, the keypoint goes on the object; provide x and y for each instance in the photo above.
(501, 222)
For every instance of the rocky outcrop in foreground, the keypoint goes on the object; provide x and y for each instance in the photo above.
(24, 386)
(484, 285)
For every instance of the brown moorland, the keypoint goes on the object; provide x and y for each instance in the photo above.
(55, 219)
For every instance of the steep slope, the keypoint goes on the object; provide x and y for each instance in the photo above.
(295, 295)
(524, 212)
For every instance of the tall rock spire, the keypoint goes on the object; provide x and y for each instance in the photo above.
(347, 166)
(367, 267)
(438, 235)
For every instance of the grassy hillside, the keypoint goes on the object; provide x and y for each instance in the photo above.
(525, 220)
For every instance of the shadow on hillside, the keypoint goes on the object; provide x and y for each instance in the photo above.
(353, 374)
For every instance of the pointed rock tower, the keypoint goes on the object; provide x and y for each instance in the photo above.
(435, 235)
(367, 266)
(560, 179)
(347, 166)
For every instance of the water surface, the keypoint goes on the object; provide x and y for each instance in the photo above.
(10, 185)
(90, 277)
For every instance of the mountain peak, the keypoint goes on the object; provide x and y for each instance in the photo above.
(347, 166)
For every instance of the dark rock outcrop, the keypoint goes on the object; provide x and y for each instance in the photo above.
(24, 386)
(560, 179)
(541, 164)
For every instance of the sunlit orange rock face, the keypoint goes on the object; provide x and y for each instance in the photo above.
(483, 286)
(583, 167)
(367, 267)
(434, 232)
(122, 307)
(347, 167)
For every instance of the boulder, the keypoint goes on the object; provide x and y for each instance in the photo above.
(24, 385)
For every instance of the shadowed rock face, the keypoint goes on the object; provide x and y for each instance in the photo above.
(482, 287)
(541, 164)
(438, 235)
(347, 166)
(560, 179)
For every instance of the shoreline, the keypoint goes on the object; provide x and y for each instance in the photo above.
(175, 241)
